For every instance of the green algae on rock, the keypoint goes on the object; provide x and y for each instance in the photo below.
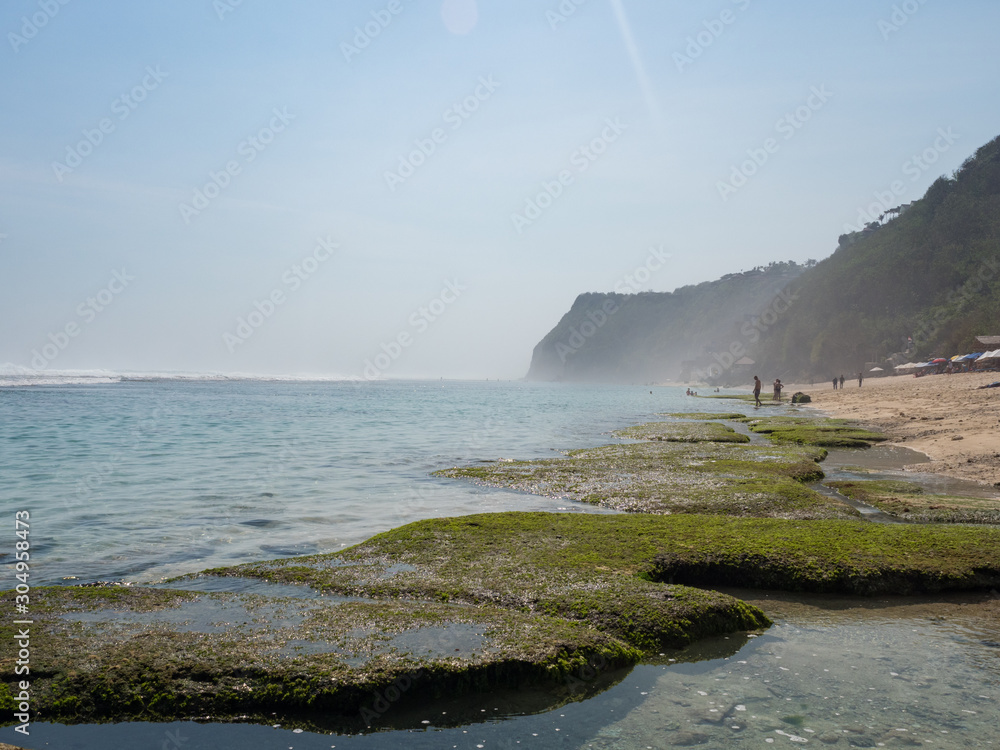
(558, 564)
(683, 432)
(156, 655)
(663, 477)
(822, 432)
(706, 415)
(850, 557)
(909, 501)
(587, 566)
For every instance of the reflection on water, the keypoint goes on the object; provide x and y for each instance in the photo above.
(888, 462)
(840, 672)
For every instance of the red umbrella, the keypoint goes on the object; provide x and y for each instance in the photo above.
(939, 359)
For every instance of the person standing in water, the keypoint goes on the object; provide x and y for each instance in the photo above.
(777, 389)
(756, 390)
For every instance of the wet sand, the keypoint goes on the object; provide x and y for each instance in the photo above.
(946, 417)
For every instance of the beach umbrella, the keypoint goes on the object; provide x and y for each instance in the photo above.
(977, 355)
(957, 357)
(876, 369)
(937, 361)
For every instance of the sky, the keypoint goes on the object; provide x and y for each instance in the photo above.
(398, 189)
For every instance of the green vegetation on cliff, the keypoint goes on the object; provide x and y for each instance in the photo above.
(649, 336)
(929, 270)
(932, 273)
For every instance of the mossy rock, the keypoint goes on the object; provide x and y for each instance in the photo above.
(683, 432)
(825, 433)
(910, 502)
(705, 415)
(557, 562)
(858, 558)
(165, 655)
(801, 398)
(664, 477)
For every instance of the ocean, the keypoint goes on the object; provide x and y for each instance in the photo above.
(144, 478)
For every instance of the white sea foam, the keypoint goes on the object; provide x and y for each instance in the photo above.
(15, 375)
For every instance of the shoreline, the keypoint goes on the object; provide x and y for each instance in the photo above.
(521, 615)
(948, 418)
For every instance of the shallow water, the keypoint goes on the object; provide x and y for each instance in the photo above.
(888, 462)
(833, 671)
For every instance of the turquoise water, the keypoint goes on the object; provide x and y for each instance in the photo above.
(144, 480)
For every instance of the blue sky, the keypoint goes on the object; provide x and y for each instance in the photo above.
(622, 128)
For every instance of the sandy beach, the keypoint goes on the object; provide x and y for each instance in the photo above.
(946, 417)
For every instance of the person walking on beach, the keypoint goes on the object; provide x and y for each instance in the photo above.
(841, 381)
(777, 389)
(834, 382)
(860, 378)
(756, 390)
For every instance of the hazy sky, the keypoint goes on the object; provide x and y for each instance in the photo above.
(302, 186)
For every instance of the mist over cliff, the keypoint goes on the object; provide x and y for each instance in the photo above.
(918, 280)
(659, 336)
